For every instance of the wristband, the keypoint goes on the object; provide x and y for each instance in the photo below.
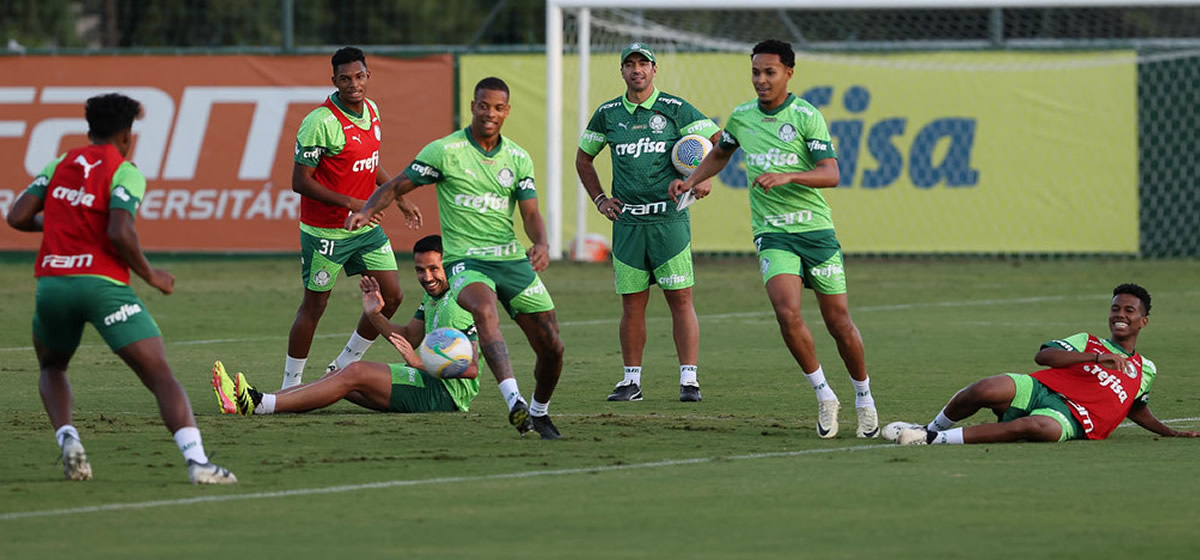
(600, 198)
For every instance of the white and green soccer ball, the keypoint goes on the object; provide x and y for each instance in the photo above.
(688, 152)
(446, 352)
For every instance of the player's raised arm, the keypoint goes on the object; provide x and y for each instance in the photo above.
(372, 302)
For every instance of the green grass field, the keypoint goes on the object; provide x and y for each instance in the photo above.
(740, 475)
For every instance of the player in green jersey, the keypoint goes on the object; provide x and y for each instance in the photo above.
(789, 157)
(480, 176)
(336, 167)
(85, 203)
(651, 237)
(384, 387)
(1091, 386)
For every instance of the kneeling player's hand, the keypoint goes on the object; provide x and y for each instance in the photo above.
(406, 350)
(372, 298)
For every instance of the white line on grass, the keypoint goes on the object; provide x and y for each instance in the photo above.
(421, 482)
(614, 320)
(455, 479)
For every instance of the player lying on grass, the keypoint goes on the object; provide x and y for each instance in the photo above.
(1091, 386)
(378, 386)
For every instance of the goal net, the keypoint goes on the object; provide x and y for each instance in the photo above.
(1003, 128)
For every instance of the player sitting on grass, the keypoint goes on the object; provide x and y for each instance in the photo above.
(383, 387)
(1091, 386)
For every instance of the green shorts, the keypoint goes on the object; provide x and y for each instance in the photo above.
(645, 254)
(321, 257)
(1035, 399)
(416, 391)
(66, 303)
(815, 256)
(517, 286)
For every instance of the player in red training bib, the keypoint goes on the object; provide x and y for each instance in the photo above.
(1092, 384)
(84, 203)
(336, 167)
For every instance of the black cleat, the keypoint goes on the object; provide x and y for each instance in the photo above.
(626, 392)
(519, 417)
(545, 427)
(689, 393)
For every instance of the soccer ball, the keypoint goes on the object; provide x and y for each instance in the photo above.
(688, 152)
(446, 352)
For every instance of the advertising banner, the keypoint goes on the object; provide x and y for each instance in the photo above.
(955, 152)
(217, 139)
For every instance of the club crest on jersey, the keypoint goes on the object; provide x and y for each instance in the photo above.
(658, 123)
(787, 132)
(506, 177)
(322, 277)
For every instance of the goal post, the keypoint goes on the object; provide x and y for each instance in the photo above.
(598, 28)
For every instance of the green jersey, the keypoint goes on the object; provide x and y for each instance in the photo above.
(445, 312)
(640, 137)
(477, 191)
(791, 138)
(321, 134)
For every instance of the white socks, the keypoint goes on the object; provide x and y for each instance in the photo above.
(538, 408)
(941, 423)
(354, 350)
(188, 440)
(862, 393)
(949, 437)
(633, 376)
(293, 371)
(267, 405)
(817, 380)
(63, 432)
(687, 376)
(510, 392)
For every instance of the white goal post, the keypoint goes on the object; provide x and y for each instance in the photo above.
(560, 141)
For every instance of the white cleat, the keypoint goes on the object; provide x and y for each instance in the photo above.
(827, 418)
(332, 367)
(891, 432)
(208, 473)
(75, 463)
(868, 422)
(913, 436)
